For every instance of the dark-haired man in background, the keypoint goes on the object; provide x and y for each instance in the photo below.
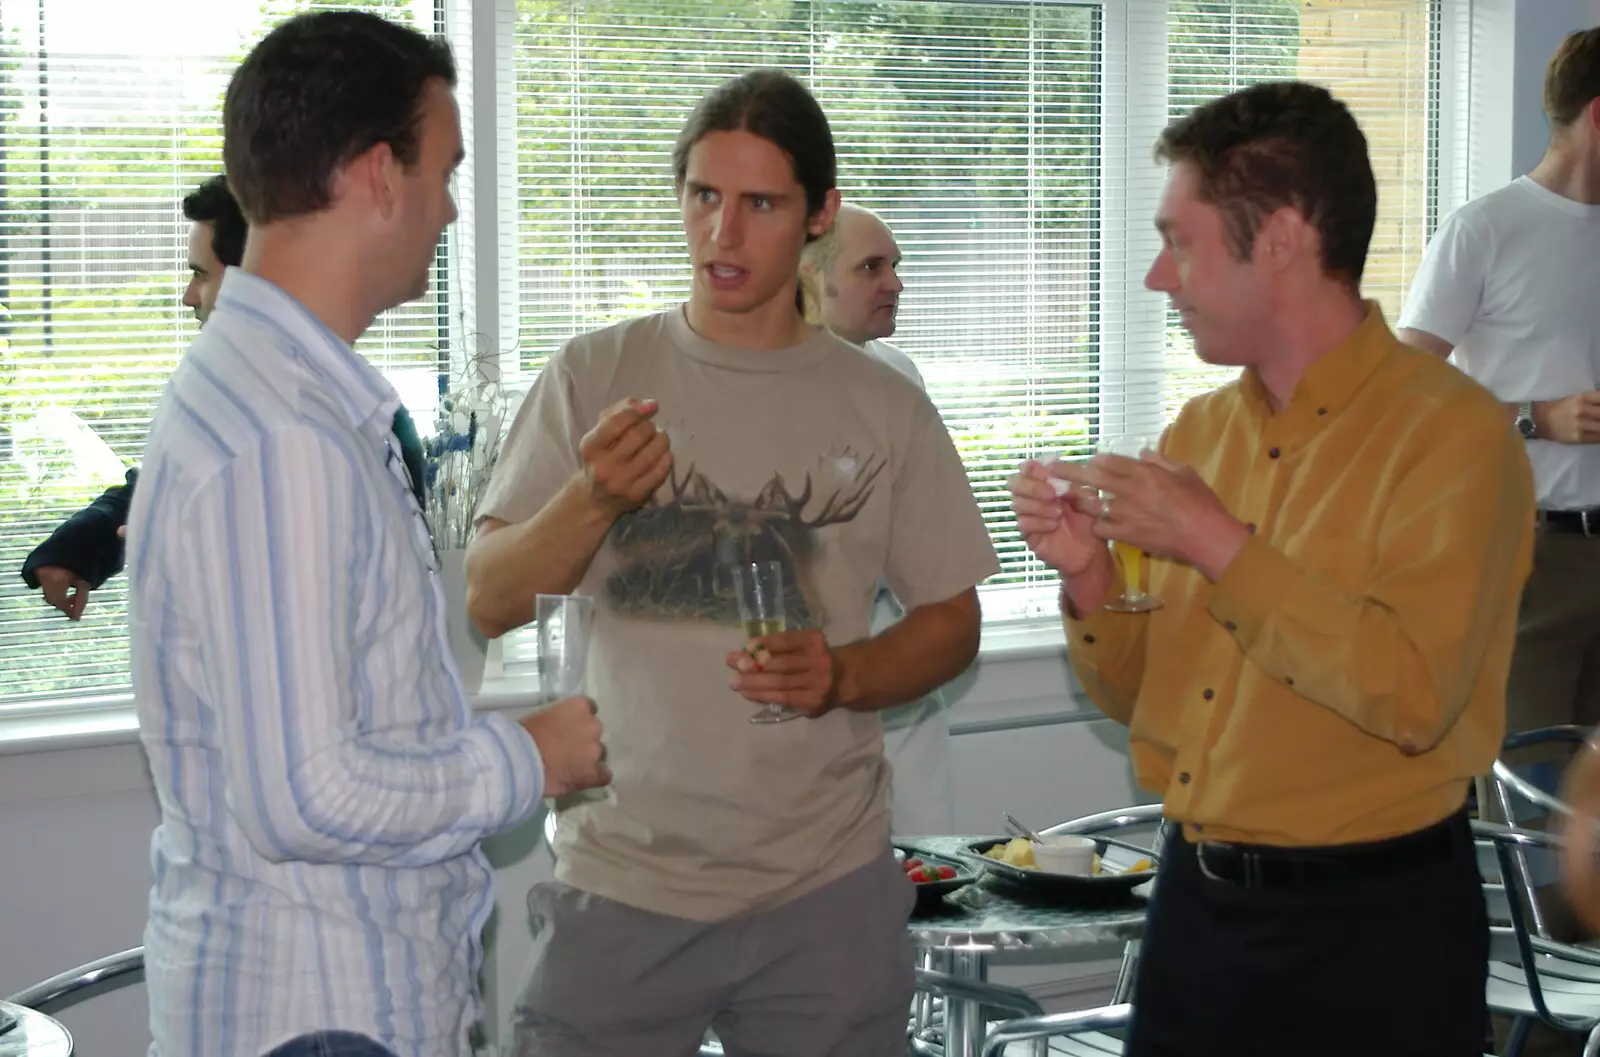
(86, 550)
(1341, 536)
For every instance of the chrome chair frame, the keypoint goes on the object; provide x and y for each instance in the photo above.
(1510, 788)
(67, 987)
(1105, 821)
(1542, 961)
(1056, 1025)
(925, 1032)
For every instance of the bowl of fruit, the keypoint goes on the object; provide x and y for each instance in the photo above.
(934, 876)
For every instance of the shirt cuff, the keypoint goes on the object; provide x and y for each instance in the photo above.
(1250, 589)
(513, 747)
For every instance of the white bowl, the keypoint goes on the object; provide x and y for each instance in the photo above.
(1066, 855)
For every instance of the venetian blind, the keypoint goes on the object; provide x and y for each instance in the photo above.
(109, 114)
(1008, 146)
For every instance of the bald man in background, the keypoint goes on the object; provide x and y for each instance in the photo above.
(852, 286)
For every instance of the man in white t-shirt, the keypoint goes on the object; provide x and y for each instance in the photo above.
(853, 288)
(1507, 289)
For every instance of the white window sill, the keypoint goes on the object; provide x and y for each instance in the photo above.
(109, 719)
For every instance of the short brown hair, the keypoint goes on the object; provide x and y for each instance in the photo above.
(1572, 80)
(318, 92)
(1283, 143)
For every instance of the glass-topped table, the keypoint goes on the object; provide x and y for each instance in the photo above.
(35, 1035)
(992, 917)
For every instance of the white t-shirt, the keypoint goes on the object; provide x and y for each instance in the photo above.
(916, 735)
(1510, 280)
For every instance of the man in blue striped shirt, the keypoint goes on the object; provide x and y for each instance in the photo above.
(323, 783)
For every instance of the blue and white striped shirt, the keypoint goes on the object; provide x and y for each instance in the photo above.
(323, 782)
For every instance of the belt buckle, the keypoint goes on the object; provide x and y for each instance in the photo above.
(1200, 857)
(1250, 874)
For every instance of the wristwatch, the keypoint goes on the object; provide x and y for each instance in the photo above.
(1525, 424)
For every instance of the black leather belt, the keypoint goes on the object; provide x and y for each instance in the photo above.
(1581, 522)
(1263, 866)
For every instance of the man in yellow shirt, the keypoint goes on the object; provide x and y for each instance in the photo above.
(1340, 538)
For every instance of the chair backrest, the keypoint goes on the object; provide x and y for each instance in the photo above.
(72, 984)
(1523, 803)
(1123, 818)
(1511, 941)
(1105, 821)
(1056, 1025)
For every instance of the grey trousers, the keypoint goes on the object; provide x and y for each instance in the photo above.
(827, 975)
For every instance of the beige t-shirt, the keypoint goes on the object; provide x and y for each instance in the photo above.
(817, 455)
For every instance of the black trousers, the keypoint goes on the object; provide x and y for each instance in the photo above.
(1393, 966)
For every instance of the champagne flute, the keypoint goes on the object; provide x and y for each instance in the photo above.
(564, 624)
(1132, 560)
(758, 587)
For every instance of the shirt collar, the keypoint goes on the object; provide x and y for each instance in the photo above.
(1334, 378)
(358, 387)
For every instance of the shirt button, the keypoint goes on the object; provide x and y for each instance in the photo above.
(1089, 639)
(1288, 680)
(1322, 411)
(1208, 693)
(1230, 625)
(1183, 779)
(1272, 453)
(1251, 527)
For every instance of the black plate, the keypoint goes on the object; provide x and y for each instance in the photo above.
(930, 894)
(1114, 854)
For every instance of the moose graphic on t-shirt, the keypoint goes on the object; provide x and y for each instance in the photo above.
(673, 552)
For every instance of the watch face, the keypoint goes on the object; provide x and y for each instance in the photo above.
(1525, 427)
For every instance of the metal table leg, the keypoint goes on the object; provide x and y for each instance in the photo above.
(963, 1018)
(922, 1011)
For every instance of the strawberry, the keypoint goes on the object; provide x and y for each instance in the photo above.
(911, 864)
(946, 873)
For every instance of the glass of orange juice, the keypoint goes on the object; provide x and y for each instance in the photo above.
(1133, 562)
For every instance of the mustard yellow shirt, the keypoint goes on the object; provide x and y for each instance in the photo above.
(1345, 677)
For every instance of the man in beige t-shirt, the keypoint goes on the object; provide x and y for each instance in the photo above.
(737, 875)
